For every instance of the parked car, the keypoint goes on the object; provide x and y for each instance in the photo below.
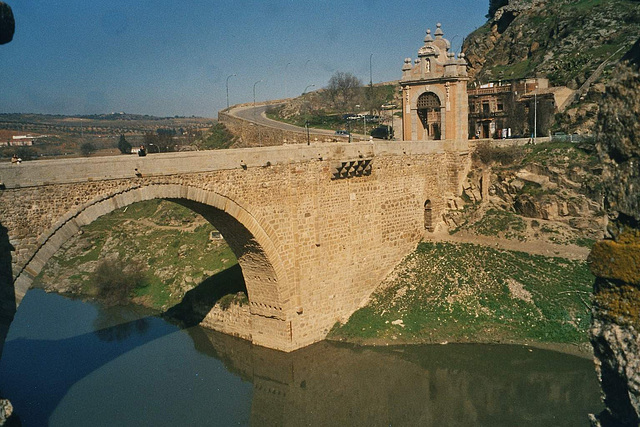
(342, 132)
(382, 132)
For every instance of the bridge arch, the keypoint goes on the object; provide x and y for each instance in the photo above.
(250, 238)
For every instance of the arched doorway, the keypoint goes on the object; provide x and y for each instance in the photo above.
(429, 112)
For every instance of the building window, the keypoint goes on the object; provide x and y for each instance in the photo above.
(500, 106)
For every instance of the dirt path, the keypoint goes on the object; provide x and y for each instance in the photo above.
(530, 246)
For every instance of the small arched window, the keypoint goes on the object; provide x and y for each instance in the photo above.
(428, 216)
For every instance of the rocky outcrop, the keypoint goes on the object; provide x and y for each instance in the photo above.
(6, 411)
(616, 262)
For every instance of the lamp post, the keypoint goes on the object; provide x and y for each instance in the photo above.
(285, 78)
(370, 85)
(254, 93)
(228, 77)
(254, 111)
(305, 89)
(535, 115)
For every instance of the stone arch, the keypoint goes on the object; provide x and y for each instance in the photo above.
(429, 111)
(270, 293)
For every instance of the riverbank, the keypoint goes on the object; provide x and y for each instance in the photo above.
(446, 292)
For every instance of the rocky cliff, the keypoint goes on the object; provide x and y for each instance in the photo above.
(616, 261)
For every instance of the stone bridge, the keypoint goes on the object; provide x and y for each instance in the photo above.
(314, 227)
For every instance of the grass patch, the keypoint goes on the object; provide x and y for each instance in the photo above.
(497, 222)
(465, 292)
(217, 138)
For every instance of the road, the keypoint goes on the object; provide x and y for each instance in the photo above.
(257, 115)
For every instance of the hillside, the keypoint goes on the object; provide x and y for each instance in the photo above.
(166, 249)
(574, 43)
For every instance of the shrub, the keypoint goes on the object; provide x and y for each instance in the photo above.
(87, 149)
(116, 281)
(487, 154)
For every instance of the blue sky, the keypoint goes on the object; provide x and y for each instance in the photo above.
(169, 58)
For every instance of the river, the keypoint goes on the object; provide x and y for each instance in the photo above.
(72, 363)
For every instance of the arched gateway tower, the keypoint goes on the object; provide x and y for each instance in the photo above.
(434, 92)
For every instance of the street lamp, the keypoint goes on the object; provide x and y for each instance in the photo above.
(305, 89)
(254, 112)
(228, 77)
(285, 78)
(370, 71)
(535, 115)
(370, 85)
(254, 93)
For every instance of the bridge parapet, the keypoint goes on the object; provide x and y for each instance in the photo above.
(45, 172)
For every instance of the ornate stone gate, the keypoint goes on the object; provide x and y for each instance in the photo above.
(434, 92)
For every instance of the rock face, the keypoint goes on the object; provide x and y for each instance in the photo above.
(616, 262)
(7, 23)
(6, 410)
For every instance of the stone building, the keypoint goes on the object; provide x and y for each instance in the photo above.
(434, 92)
(507, 108)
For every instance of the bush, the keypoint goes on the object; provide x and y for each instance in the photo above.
(115, 280)
(487, 154)
(87, 149)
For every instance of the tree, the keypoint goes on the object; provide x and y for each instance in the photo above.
(342, 90)
(124, 146)
(26, 153)
(87, 149)
(116, 280)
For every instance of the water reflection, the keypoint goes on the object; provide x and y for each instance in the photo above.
(145, 371)
(333, 384)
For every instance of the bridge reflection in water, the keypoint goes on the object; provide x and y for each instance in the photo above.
(135, 369)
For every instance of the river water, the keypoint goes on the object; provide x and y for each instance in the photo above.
(72, 363)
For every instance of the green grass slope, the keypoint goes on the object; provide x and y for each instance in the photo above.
(471, 293)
